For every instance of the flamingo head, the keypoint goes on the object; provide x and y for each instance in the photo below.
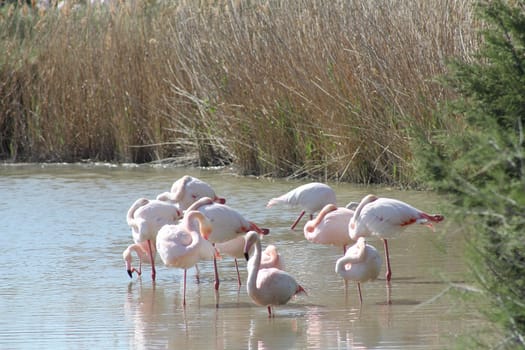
(250, 238)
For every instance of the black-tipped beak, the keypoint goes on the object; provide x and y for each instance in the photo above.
(130, 273)
(247, 256)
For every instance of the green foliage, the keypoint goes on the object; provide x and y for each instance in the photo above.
(479, 164)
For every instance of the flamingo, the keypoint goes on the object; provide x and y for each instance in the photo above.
(385, 217)
(311, 197)
(186, 190)
(227, 224)
(330, 226)
(146, 217)
(182, 246)
(271, 286)
(360, 263)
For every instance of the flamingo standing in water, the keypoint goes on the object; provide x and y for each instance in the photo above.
(330, 226)
(227, 224)
(146, 217)
(188, 189)
(271, 286)
(360, 263)
(182, 246)
(385, 217)
(311, 198)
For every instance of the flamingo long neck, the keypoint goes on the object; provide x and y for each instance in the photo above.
(253, 272)
(204, 226)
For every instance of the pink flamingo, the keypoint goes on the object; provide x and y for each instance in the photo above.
(141, 249)
(360, 263)
(146, 217)
(227, 224)
(385, 217)
(311, 197)
(271, 286)
(330, 226)
(182, 246)
(186, 190)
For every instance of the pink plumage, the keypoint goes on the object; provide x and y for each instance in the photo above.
(330, 226)
(385, 217)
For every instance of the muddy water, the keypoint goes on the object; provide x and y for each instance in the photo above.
(64, 283)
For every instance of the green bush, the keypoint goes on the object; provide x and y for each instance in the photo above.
(480, 165)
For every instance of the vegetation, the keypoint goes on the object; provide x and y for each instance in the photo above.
(324, 89)
(481, 168)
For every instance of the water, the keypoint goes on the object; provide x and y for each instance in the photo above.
(64, 283)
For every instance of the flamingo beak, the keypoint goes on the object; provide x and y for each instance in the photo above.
(130, 273)
(247, 256)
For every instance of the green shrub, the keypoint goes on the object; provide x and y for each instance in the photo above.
(480, 165)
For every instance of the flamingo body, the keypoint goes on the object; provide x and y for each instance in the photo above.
(385, 217)
(188, 189)
(227, 223)
(146, 217)
(330, 226)
(311, 198)
(361, 263)
(270, 257)
(271, 286)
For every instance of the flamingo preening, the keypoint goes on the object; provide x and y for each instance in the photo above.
(360, 263)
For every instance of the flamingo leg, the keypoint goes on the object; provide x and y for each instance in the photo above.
(297, 220)
(238, 274)
(360, 295)
(387, 256)
(184, 289)
(269, 311)
(216, 285)
(152, 259)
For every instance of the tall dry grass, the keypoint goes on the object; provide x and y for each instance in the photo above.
(325, 89)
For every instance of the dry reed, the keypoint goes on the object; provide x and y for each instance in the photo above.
(323, 89)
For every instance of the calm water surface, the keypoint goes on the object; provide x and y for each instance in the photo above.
(64, 283)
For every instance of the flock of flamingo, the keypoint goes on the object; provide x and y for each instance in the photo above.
(191, 223)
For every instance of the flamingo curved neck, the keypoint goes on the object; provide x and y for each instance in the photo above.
(253, 272)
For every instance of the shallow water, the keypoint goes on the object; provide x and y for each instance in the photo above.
(64, 283)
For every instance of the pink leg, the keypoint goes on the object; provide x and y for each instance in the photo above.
(359, 289)
(184, 290)
(238, 274)
(297, 220)
(216, 273)
(269, 311)
(152, 258)
(387, 256)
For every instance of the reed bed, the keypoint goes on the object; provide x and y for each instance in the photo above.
(321, 89)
